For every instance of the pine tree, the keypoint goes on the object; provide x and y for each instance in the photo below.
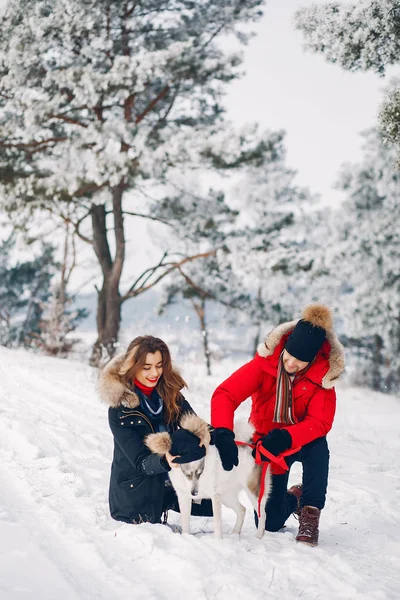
(363, 36)
(354, 256)
(24, 289)
(60, 318)
(268, 248)
(368, 262)
(97, 98)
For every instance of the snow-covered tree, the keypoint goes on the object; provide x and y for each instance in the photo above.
(210, 281)
(256, 273)
(359, 36)
(60, 318)
(354, 254)
(98, 97)
(268, 248)
(368, 261)
(24, 288)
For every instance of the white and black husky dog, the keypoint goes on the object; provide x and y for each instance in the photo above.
(206, 478)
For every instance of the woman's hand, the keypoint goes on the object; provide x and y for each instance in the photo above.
(170, 459)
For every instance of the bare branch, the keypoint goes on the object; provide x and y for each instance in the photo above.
(132, 214)
(73, 263)
(28, 146)
(204, 293)
(200, 291)
(98, 110)
(83, 237)
(76, 226)
(216, 32)
(130, 11)
(89, 188)
(171, 266)
(152, 104)
(148, 273)
(128, 106)
(168, 110)
(67, 120)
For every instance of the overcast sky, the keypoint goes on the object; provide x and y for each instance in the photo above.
(322, 107)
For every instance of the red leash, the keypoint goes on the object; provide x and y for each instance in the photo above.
(277, 460)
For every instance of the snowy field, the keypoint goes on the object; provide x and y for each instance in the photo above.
(57, 540)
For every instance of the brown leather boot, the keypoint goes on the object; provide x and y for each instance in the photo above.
(308, 526)
(296, 490)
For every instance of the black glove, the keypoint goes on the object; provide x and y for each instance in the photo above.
(224, 439)
(276, 441)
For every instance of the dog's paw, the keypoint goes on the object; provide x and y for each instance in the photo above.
(174, 528)
(260, 533)
(236, 531)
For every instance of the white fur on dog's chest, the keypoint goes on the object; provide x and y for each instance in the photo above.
(212, 481)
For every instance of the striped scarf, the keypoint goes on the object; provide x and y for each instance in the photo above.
(283, 405)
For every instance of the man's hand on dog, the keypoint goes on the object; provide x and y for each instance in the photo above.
(224, 440)
(275, 442)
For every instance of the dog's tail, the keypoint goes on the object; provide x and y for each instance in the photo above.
(244, 431)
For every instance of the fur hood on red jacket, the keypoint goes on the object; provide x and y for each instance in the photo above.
(314, 397)
(329, 363)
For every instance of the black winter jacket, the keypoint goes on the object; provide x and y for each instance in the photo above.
(137, 483)
(137, 491)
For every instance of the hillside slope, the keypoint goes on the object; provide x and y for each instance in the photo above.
(57, 540)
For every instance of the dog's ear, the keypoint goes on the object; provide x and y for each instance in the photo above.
(198, 426)
(159, 443)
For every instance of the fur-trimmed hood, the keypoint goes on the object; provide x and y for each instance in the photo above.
(111, 387)
(333, 349)
(161, 443)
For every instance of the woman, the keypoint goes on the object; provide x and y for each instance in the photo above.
(143, 392)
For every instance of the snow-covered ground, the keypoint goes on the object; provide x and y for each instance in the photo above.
(57, 540)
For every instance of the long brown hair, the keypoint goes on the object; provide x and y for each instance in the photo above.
(170, 383)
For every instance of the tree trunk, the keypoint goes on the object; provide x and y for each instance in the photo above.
(377, 364)
(200, 309)
(109, 298)
(108, 320)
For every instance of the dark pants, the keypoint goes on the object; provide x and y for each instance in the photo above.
(315, 460)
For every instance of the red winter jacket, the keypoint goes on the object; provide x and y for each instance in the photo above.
(314, 398)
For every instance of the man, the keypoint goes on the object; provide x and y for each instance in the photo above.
(291, 382)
